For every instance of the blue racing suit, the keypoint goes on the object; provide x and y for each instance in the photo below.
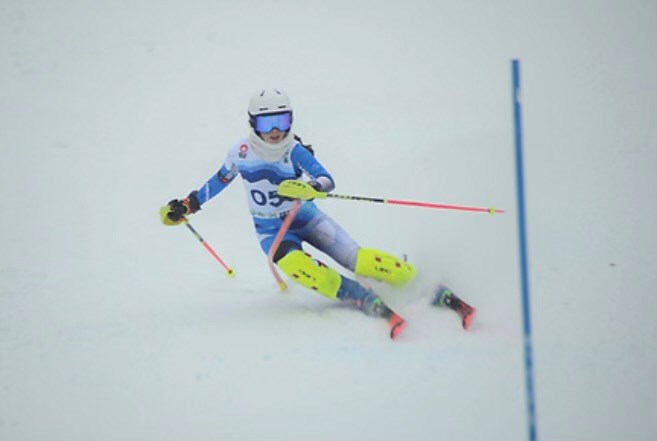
(261, 179)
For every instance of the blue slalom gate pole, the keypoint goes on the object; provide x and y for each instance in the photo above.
(522, 240)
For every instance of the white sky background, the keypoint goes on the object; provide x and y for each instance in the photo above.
(115, 327)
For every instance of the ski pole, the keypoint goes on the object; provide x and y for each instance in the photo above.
(302, 190)
(277, 242)
(491, 210)
(207, 246)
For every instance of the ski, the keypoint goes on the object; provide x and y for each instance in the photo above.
(445, 297)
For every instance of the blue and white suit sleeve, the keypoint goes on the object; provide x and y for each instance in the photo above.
(217, 182)
(305, 163)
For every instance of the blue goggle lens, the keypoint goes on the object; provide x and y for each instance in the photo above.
(267, 123)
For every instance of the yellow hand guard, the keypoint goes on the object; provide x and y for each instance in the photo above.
(311, 273)
(174, 212)
(296, 189)
(166, 220)
(383, 267)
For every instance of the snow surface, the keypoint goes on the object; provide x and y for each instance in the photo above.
(114, 327)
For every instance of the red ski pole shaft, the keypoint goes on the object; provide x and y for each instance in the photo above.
(211, 250)
(491, 210)
(277, 242)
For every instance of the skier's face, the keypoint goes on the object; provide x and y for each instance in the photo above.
(273, 137)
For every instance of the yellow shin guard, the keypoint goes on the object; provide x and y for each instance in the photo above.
(311, 273)
(383, 267)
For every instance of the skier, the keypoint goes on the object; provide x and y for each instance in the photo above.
(270, 154)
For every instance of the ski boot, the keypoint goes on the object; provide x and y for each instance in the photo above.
(445, 297)
(353, 293)
(377, 308)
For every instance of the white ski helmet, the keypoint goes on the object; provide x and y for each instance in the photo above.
(267, 101)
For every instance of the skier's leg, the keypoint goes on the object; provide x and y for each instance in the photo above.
(365, 299)
(383, 267)
(315, 275)
(325, 234)
(310, 273)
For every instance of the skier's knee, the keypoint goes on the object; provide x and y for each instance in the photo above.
(383, 267)
(311, 273)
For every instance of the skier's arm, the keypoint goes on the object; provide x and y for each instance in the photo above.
(305, 163)
(217, 183)
(175, 211)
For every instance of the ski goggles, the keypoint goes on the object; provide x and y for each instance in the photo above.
(267, 123)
